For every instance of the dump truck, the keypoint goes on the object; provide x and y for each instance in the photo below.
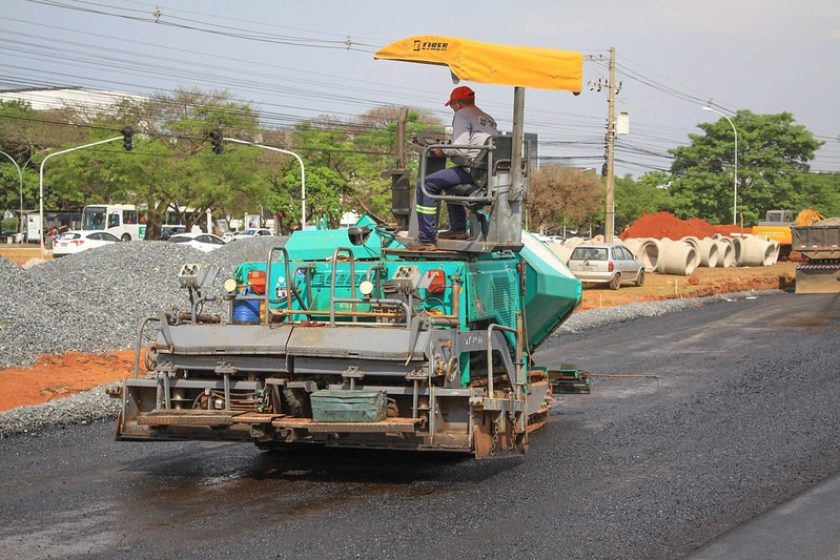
(777, 226)
(348, 338)
(819, 245)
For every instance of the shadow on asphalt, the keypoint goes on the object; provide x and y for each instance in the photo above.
(317, 464)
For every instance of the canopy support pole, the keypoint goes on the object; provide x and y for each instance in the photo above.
(517, 191)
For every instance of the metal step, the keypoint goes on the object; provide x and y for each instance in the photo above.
(204, 418)
(384, 426)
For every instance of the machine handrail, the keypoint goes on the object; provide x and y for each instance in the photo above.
(268, 299)
(452, 198)
(307, 270)
(333, 263)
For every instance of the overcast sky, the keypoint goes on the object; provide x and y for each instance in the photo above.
(290, 59)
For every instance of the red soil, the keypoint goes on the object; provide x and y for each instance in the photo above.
(666, 225)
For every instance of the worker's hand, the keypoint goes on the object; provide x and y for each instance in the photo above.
(437, 152)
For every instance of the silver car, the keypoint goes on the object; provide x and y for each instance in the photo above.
(600, 263)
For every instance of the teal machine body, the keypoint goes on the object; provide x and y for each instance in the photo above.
(356, 342)
(349, 338)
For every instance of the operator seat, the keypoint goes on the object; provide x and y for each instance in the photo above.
(477, 195)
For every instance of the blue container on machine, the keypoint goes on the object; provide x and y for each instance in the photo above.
(246, 311)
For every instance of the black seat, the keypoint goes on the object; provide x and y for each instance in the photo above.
(480, 171)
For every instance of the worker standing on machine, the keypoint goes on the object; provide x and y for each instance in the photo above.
(470, 126)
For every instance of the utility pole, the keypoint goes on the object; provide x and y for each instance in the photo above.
(400, 182)
(609, 222)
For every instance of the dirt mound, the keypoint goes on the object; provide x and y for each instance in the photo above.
(666, 225)
(730, 230)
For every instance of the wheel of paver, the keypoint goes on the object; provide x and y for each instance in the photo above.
(640, 279)
(615, 283)
(125, 237)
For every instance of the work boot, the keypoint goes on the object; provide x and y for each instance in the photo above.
(421, 246)
(458, 235)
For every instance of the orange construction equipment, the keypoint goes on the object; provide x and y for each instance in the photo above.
(777, 224)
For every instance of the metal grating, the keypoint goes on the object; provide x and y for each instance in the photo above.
(503, 299)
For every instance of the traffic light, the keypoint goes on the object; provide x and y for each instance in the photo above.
(216, 139)
(128, 138)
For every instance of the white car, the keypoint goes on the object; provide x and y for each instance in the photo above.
(252, 232)
(600, 263)
(76, 241)
(205, 242)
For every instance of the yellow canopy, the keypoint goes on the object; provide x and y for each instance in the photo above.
(490, 63)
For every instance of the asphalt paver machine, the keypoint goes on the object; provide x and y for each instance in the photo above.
(347, 338)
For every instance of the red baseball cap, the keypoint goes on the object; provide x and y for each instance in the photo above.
(460, 93)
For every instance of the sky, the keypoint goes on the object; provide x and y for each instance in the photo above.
(297, 59)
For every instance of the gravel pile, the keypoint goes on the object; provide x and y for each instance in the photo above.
(95, 301)
(132, 280)
(595, 318)
(82, 408)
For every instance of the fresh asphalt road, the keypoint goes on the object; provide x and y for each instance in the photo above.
(743, 417)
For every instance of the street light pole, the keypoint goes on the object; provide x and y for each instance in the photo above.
(20, 175)
(302, 173)
(41, 181)
(735, 188)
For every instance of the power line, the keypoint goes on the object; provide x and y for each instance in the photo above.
(204, 27)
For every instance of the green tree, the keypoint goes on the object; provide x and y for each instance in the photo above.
(821, 191)
(649, 195)
(172, 164)
(10, 185)
(26, 135)
(346, 161)
(773, 155)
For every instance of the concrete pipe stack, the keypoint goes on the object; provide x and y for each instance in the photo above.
(709, 253)
(726, 252)
(562, 251)
(677, 257)
(694, 243)
(646, 249)
(758, 251)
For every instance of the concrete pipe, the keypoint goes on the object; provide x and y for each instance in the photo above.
(573, 242)
(737, 247)
(633, 243)
(758, 251)
(563, 252)
(677, 257)
(694, 242)
(708, 252)
(776, 248)
(726, 252)
(646, 249)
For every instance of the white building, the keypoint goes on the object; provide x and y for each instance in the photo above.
(87, 101)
